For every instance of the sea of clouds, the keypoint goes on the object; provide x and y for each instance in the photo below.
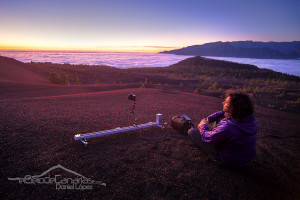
(286, 66)
(120, 60)
(130, 60)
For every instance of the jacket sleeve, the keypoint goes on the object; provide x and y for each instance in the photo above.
(215, 116)
(218, 135)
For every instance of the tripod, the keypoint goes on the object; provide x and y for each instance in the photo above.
(133, 112)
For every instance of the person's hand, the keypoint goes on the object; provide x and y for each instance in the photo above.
(203, 121)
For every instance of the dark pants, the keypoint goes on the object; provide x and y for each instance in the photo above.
(209, 149)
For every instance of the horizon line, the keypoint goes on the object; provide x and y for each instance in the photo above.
(109, 49)
(79, 51)
(124, 49)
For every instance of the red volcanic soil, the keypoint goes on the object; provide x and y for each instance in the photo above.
(38, 123)
(14, 71)
(21, 90)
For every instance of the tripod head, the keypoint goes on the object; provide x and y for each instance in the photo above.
(132, 97)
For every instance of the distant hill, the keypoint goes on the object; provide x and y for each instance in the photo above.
(243, 49)
(198, 65)
(12, 70)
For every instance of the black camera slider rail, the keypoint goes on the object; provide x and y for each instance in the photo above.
(83, 137)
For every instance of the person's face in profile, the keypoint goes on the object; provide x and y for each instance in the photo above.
(226, 104)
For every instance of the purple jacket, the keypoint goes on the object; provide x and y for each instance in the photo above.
(236, 141)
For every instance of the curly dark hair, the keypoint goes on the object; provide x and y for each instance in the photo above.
(240, 104)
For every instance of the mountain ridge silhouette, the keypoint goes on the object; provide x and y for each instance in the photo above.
(243, 49)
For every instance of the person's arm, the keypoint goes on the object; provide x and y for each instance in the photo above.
(215, 116)
(210, 119)
(218, 135)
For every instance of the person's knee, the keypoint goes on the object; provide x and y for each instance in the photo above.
(192, 131)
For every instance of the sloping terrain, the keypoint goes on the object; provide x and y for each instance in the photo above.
(37, 134)
(39, 121)
(14, 71)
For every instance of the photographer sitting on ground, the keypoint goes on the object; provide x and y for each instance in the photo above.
(233, 140)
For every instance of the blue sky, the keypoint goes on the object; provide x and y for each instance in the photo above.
(143, 25)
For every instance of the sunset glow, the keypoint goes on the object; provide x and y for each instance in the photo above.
(142, 26)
